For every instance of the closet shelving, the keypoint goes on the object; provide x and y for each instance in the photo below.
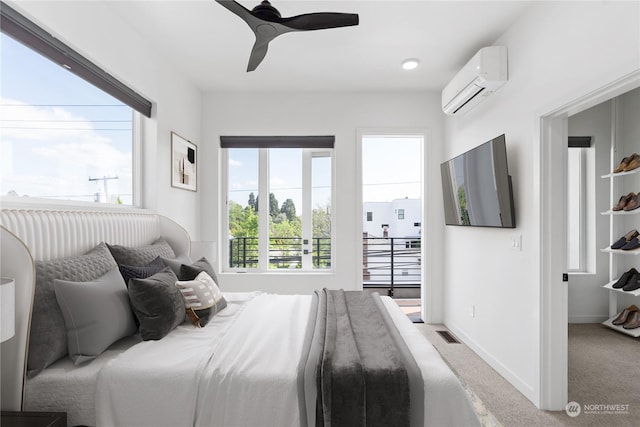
(613, 293)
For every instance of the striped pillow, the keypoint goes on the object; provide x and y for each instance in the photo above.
(202, 297)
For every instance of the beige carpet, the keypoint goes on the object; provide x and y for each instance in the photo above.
(604, 369)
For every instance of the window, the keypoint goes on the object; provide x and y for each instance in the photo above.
(69, 128)
(369, 216)
(291, 228)
(577, 193)
(400, 213)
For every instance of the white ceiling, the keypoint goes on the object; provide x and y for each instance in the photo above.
(211, 46)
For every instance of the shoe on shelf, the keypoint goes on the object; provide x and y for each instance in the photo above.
(625, 239)
(633, 283)
(633, 321)
(633, 163)
(624, 279)
(632, 203)
(631, 244)
(623, 164)
(624, 315)
(623, 202)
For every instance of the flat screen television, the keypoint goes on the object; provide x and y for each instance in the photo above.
(477, 189)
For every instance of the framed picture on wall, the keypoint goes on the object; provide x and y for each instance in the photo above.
(183, 163)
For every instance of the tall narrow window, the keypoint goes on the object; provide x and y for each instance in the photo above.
(279, 203)
(577, 204)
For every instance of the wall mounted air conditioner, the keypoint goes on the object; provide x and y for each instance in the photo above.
(485, 73)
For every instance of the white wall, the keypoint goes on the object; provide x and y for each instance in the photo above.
(339, 114)
(588, 302)
(558, 52)
(95, 31)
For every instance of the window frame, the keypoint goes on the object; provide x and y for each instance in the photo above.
(41, 42)
(577, 162)
(263, 206)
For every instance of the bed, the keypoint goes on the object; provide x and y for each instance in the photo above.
(254, 363)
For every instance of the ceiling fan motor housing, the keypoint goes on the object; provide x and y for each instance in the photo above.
(265, 10)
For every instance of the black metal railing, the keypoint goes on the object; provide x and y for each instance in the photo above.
(391, 262)
(284, 252)
(387, 261)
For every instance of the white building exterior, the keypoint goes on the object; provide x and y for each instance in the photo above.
(400, 218)
(391, 242)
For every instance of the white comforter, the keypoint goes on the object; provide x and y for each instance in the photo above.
(241, 370)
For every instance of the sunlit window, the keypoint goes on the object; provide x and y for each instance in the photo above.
(62, 137)
(279, 208)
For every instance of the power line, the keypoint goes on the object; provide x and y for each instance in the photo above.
(65, 121)
(74, 129)
(64, 105)
(392, 183)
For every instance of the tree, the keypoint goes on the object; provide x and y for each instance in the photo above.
(289, 209)
(253, 202)
(321, 221)
(274, 210)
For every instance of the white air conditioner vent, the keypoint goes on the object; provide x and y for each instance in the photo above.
(485, 73)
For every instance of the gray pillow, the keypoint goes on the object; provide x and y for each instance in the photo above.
(157, 303)
(141, 255)
(176, 262)
(130, 271)
(48, 336)
(96, 314)
(189, 272)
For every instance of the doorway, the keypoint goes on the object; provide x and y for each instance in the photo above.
(392, 218)
(554, 290)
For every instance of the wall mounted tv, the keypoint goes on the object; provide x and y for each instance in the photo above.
(476, 187)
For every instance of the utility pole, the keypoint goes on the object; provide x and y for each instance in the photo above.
(104, 180)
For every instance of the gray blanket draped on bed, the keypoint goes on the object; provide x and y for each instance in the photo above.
(358, 370)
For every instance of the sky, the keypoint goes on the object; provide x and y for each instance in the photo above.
(391, 169)
(58, 131)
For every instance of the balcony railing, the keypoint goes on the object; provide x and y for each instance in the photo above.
(284, 252)
(391, 262)
(387, 261)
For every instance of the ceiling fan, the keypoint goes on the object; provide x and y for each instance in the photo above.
(266, 23)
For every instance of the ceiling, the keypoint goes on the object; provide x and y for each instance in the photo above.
(211, 46)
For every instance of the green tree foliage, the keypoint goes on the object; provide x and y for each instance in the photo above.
(274, 210)
(253, 202)
(243, 222)
(289, 210)
(321, 222)
(284, 224)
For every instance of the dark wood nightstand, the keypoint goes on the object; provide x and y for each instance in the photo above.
(33, 419)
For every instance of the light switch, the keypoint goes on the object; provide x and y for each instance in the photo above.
(516, 242)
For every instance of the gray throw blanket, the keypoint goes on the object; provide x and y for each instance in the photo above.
(358, 370)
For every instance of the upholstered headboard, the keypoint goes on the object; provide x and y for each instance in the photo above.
(29, 235)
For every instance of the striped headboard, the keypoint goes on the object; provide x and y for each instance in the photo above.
(38, 234)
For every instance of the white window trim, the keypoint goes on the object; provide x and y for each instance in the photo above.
(581, 194)
(263, 220)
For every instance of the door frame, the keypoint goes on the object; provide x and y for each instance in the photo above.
(430, 267)
(554, 319)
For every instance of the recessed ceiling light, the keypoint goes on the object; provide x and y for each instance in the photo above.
(410, 64)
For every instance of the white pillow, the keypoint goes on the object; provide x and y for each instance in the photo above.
(202, 297)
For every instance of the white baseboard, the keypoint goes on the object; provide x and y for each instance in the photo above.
(587, 318)
(526, 389)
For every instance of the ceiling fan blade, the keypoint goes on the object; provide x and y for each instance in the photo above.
(238, 9)
(257, 54)
(320, 21)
